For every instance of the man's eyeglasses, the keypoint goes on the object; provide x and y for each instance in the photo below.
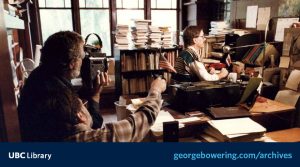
(202, 36)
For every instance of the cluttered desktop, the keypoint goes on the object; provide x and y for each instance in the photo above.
(195, 106)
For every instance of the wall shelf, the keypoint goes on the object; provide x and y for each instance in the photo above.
(12, 22)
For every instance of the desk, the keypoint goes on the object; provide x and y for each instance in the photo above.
(287, 135)
(270, 106)
(186, 133)
(267, 109)
(273, 115)
(270, 114)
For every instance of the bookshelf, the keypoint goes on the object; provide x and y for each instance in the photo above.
(135, 68)
(213, 45)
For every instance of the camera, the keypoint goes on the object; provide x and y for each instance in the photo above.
(91, 66)
(93, 63)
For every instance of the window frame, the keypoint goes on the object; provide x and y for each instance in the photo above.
(93, 9)
(112, 7)
(52, 8)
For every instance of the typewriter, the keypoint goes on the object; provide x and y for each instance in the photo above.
(189, 96)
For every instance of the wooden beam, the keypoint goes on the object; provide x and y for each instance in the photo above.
(113, 23)
(76, 16)
(35, 24)
(147, 9)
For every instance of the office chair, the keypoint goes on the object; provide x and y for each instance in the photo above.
(290, 95)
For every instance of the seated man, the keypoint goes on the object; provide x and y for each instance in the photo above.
(188, 65)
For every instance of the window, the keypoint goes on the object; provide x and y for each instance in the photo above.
(165, 4)
(164, 13)
(56, 15)
(227, 10)
(167, 18)
(138, 4)
(93, 4)
(94, 18)
(127, 10)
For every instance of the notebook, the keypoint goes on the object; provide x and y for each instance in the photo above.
(248, 97)
(229, 112)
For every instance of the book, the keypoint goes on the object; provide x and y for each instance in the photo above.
(228, 112)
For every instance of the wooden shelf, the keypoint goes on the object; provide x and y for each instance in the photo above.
(142, 73)
(141, 68)
(12, 22)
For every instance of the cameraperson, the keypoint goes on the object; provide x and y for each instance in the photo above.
(47, 94)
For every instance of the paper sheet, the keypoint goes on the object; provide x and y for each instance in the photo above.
(251, 16)
(186, 120)
(237, 126)
(284, 62)
(283, 23)
(137, 102)
(287, 44)
(263, 18)
(163, 116)
(293, 80)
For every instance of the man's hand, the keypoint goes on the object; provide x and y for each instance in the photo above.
(223, 73)
(166, 65)
(296, 25)
(158, 85)
(212, 70)
(102, 79)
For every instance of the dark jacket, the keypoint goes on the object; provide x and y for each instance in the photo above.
(44, 102)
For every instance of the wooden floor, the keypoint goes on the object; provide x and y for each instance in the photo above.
(107, 106)
(109, 115)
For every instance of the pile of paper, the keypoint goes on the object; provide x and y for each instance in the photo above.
(218, 28)
(140, 33)
(166, 37)
(229, 130)
(121, 37)
(155, 36)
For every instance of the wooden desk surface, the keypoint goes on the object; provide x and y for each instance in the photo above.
(287, 135)
(271, 114)
(178, 115)
(270, 106)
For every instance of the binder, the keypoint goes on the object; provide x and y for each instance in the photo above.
(229, 112)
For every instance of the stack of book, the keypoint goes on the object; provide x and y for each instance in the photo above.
(166, 37)
(233, 130)
(155, 36)
(140, 33)
(219, 27)
(121, 37)
(259, 54)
